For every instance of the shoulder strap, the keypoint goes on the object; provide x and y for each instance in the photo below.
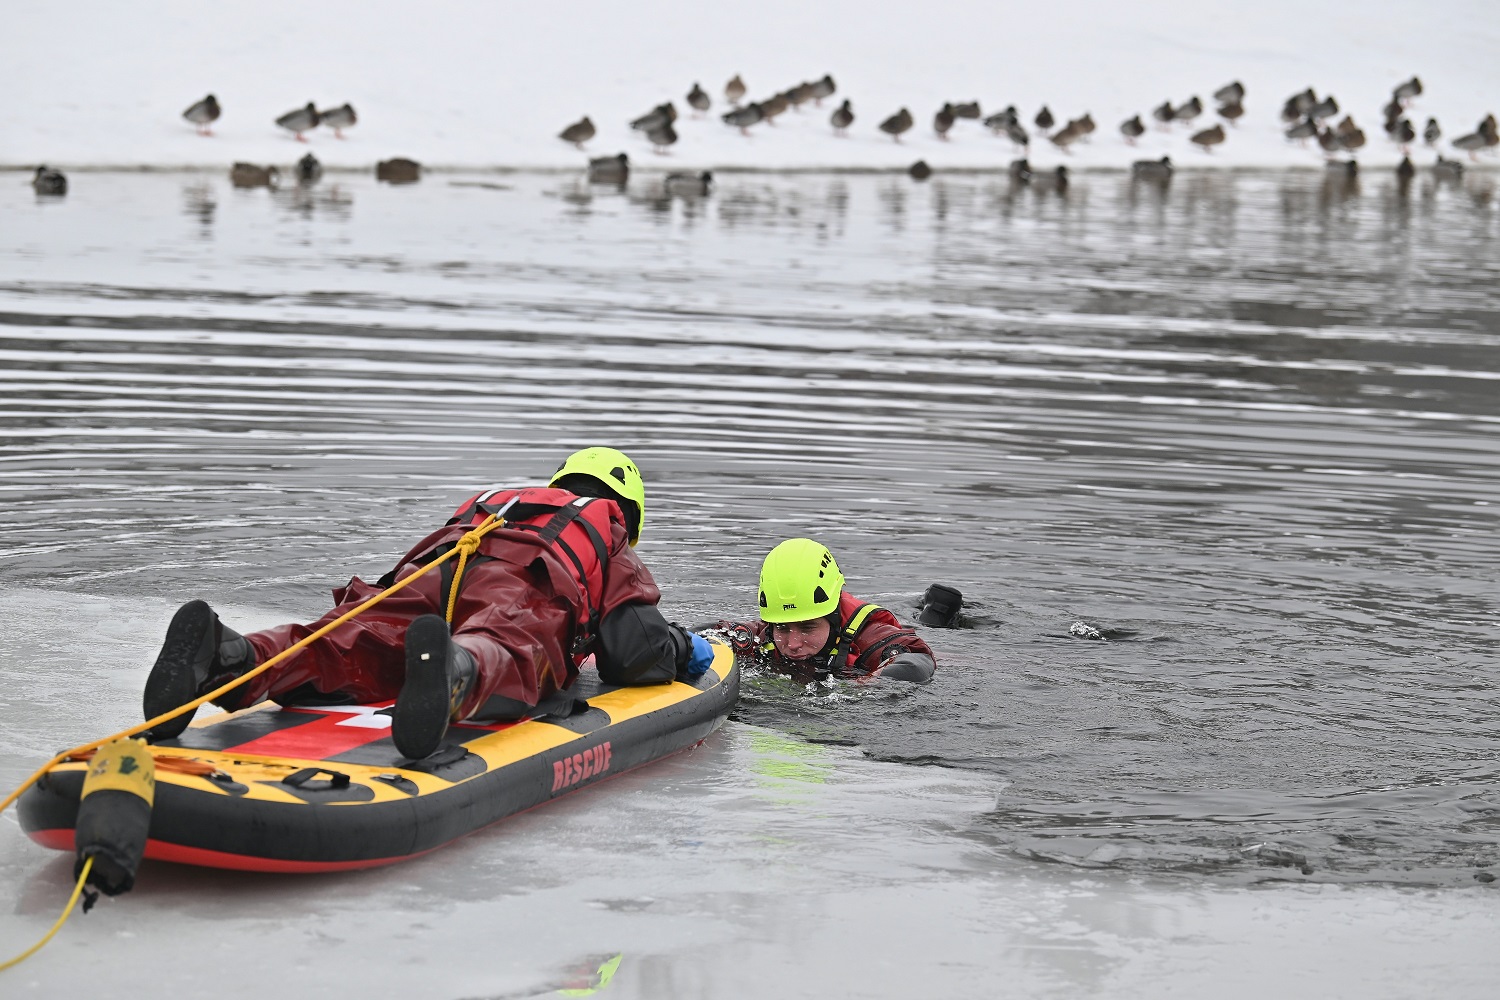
(550, 533)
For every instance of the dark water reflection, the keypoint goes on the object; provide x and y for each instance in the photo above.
(1245, 424)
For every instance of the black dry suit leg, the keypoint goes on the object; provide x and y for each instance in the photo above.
(198, 655)
(438, 675)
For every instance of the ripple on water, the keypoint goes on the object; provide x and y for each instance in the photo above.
(1243, 427)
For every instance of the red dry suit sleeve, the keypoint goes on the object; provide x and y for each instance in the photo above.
(881, 637)
(626, 580)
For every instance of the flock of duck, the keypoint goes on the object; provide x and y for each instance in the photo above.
(203, 113)
(1305, 116)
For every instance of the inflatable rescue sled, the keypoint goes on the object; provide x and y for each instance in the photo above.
(308, 789)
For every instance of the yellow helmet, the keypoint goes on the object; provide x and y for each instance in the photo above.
(616, 473)
(799, 581)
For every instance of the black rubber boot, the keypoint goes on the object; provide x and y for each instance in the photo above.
(198, 655)
(438, 675)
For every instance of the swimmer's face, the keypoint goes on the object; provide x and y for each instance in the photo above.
(800, 640)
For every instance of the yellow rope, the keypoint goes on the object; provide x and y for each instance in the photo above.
(66, 913)
(465, 545)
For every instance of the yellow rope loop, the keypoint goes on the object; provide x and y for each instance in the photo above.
(466, 546)
(66, 913)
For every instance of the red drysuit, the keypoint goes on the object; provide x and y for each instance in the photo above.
(529, 609)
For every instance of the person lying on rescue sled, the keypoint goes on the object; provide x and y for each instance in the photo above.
(558, 582)
(810, 627)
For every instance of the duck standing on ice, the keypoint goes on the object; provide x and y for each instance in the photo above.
(300, 120)
(338, 119)
(579, 132)
(742, 118)
(203, 114)
(897, 123)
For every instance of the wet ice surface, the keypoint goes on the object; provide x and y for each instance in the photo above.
(1243, 427)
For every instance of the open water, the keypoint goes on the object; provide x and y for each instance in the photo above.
(1240, 429)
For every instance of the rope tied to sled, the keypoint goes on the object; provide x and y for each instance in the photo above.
(66, 913)
(465, 546)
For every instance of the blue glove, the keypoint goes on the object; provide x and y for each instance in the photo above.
(698, 660)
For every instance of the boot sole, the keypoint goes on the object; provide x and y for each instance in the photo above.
(173, 679)
(420, 717)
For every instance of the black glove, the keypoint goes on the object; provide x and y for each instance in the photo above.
(915, 667)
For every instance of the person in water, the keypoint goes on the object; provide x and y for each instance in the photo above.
(811, 627)
(560, 581)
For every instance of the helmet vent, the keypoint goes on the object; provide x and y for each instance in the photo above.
(819, 595)
(618, 473)
(763, 599)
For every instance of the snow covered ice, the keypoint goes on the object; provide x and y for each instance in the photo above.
(467, 85)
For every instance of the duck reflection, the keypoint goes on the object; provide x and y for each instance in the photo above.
(200, 205)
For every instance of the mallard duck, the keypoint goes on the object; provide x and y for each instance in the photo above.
(1132, 129)
(1303, 130)
(1324, 109)
(1044, 119)
(1055, 180)
(203, 114)
(688, 185)
(1164, 112)
(1448, 169)
(967, 109)
(896, 124)
(1232, 112)
(658, 116)
(1297, 105)
(1019, 170)
(823, 88)
(662, 136)
(250, 175)
(742, 118)
(578, 133)
(942, 122)
(609, 169)
(1403, 134)
(1000, 119)
(1408, 90)
(734, 90)
(1471, 144)
(299, 120)
(49, 182)
(1352, 139)
(775, 106)
(309, 169)
(1405, 170)
(1207, 139)
(798, 95)
(1154, 169)
(338, 119)
(1066, 136)
(1431, 134)
(919, 171)
(842, 117)
(1187, 112)
(1016, 134)
(398, 171)
(697, 98)
(1230, 93)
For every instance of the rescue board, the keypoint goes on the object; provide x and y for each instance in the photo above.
(311, 789)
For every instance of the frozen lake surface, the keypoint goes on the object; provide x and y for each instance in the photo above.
(1242, 425)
